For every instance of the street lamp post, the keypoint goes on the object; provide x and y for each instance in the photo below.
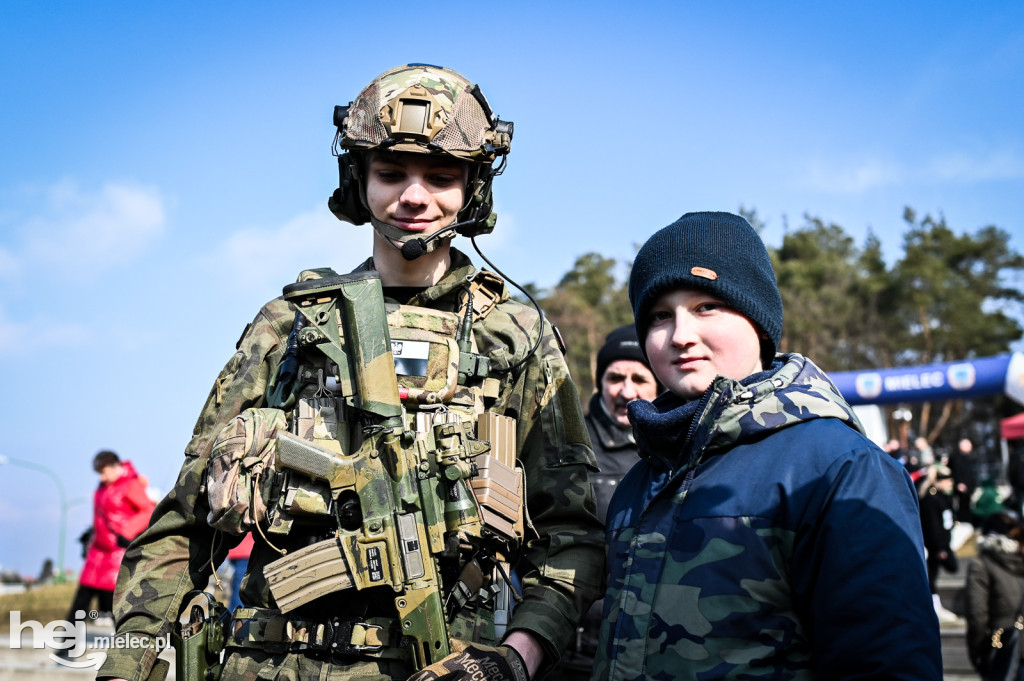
(63, 505)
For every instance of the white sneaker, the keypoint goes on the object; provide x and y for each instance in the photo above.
(943, 614)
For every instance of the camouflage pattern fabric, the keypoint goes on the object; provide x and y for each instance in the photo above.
(561, 564)
(457, 123)
(243, 450)
(253, 665)
(768, 540)
(443, 85)
(616, 454)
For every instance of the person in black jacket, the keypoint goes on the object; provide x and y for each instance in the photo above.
(937, 520)
(961, 463)
(995, 584)
(623, 375)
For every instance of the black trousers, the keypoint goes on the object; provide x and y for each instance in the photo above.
(83, 598)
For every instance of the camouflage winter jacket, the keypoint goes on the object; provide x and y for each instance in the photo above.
(764, 537)
(562, 564)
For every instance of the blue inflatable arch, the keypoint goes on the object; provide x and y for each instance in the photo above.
(1000, 375)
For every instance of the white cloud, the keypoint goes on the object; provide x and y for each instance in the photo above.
(961, 168)
(964, 169)
(261, 261)
(266, 259)
(8, 264)
(852, 178)
(503, 237)
(13, 515)
(77, 232)
(44, 332)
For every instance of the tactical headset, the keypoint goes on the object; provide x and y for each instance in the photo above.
(400, 120)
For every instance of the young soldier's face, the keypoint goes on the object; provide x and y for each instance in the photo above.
(695, 337)
(414, 192)
(623, 381)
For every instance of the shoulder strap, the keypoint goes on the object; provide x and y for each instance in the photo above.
(488, 290)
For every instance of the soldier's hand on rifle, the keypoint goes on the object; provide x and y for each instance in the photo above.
(476, 661)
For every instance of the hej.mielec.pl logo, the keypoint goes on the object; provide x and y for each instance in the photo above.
(70, 639)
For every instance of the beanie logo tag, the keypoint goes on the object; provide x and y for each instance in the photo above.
(704, 272)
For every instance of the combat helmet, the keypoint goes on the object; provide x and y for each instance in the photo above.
(423, 109)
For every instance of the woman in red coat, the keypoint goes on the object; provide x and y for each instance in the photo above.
(121, 511)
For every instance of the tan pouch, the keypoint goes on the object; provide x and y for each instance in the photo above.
(240, 472)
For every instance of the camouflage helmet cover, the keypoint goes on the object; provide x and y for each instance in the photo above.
(424, 109)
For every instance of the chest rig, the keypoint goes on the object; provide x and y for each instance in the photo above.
(392, 465)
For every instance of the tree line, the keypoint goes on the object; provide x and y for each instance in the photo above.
(949, 296)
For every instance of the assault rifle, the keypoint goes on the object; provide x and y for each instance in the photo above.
(393, 492)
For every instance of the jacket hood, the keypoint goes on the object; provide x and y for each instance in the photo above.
(128, 472)
(1002, 550)
(731, 412)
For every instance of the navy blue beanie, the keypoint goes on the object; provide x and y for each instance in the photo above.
(719, 253)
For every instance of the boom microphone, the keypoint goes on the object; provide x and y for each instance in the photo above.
(414, 248)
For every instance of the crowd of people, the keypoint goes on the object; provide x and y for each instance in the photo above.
(957, 508)
(718, 513)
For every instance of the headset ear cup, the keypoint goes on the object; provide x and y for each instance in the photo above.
(480, 210)
(345, 202)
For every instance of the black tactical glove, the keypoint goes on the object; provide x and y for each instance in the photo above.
(478, 662)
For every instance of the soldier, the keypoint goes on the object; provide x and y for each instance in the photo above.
(378, 503)
(623, 375)
(762, 535)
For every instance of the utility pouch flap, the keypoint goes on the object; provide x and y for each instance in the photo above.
(423, 343)
(240, 472)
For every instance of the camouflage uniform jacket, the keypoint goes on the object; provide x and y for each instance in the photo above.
(764, 537)
(562, 564)
(616, 453)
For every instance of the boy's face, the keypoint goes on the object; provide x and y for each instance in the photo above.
(693, 337)
(414, 192)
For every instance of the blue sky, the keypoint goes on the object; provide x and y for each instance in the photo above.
(166, 168)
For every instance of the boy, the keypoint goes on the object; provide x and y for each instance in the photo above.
(761, 534)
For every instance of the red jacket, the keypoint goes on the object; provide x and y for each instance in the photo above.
(243, 549)
(120, 508)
